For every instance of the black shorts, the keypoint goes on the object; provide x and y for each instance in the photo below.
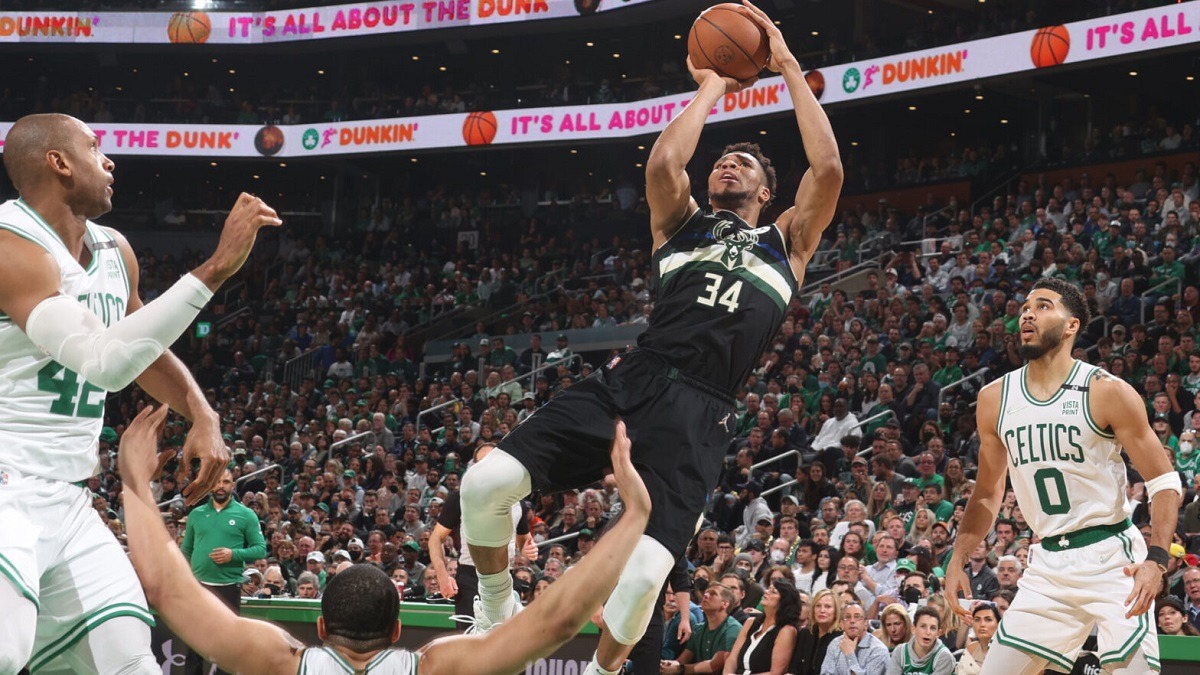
(680, 428)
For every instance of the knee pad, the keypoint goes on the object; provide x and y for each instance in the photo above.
(632, 602)
(489, 491)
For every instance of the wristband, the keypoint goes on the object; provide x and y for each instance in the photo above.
(1158, 555)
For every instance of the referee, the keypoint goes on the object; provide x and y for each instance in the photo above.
(222, 535)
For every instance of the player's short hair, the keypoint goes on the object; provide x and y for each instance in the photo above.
(754, 151)
(360, 607)
(1072, 298)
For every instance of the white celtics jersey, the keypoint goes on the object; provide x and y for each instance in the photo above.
(327, 661)
(1067, 473)
(50, 418)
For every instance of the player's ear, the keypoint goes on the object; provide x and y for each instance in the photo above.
(764, 195)
(321, 628)
(395, 631)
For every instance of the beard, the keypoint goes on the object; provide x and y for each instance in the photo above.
(1048, 340)
(731, 198)
(221, 499)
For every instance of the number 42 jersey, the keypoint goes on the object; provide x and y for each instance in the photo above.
(50, 417)
(722, 290)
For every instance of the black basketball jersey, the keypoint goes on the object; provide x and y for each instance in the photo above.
(722, 290)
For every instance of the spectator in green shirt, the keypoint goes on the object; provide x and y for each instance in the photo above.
(222, 536)
(716, 633)
(934, 502)
(951, 371)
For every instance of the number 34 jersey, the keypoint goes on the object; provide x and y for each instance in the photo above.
(50, 417)
(1066, 471)
(722, 290)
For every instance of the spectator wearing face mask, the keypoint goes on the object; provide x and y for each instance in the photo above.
(1187, 460)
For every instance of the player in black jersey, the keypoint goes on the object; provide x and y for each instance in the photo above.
(723, 283)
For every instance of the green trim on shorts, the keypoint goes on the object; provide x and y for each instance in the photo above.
(1032, 648)
(10, 571)
(1121, 654)
(85, 625)
(1126, 546)
(1154, 663)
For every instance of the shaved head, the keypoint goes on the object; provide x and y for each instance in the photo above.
(56, 159)
(29, 140)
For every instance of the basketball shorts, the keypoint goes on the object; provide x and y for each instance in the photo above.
(1074, 583)
(680, 428)
(60, 555)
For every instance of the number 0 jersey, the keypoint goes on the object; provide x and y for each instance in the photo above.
(50, 418)
(1067, 472)
(723, 287)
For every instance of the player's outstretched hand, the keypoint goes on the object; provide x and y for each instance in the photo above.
(781, 55)
(139, 459)
(1147, 580)
(629, 484)
(205, 443)
(956, 581)
(248, 216)
(701, 75)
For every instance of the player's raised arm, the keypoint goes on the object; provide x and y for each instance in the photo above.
(985, 502)
(558, 614)
(817, 197)
(668, 189)
(1119, 407)
(195, 615)
(170, 382)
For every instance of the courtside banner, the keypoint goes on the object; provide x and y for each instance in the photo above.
(315, 23)
(1048, 47)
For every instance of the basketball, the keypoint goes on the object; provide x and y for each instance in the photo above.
(816, 82)
(189, 28)
(1050, 46)
(727, 41)
(479, 128)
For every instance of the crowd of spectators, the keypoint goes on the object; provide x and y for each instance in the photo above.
(866, 385)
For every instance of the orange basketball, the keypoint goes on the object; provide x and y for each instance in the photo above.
(727, 41)
(189, 28)
(1050, 46)
(479, 128)
(816, 82)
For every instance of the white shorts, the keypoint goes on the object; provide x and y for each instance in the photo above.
(1065, 593)
(59, 554)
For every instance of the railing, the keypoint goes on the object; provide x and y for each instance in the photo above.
(295, 368)
(231, 317)
(252, 474)
(774, 459)
(779, 487)
(942, 394)
(809, 285)
(435, 408)
(1000, 185)
(561, 538)
(1178, 290)
(513, 308)
(883, 413)
(337, 444)
(228, 291)
(553, 364)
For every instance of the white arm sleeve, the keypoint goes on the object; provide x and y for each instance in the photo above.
(112, 357)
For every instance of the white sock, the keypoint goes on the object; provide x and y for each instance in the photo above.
(594, 668)
(495, 594)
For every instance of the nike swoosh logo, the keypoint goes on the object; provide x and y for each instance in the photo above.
(1104, 559)
(1013, 411)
